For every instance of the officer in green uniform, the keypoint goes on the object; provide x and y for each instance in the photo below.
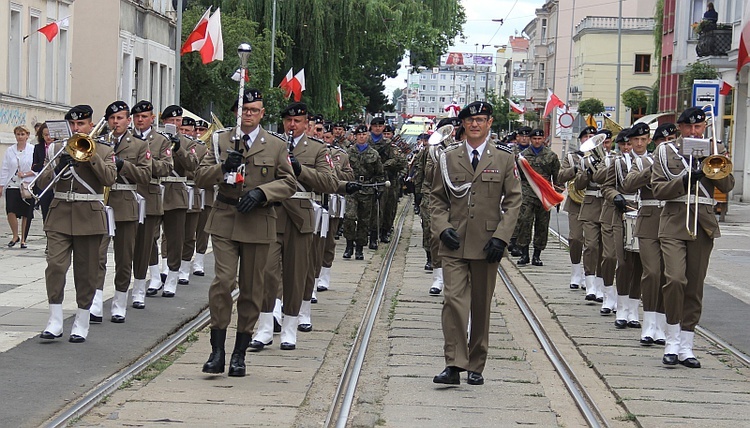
(418, 162)
(393, 164)
(545, 162)
(522, 140)
(368, 168)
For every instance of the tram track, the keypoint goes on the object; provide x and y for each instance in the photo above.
(707, 334)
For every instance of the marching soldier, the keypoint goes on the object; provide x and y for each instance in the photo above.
(339, 135)
(242, 223)
(417, 180)
(368, 169)
(195, 204)
(133, 161)
(393, 164)
(175, 201)
(545, 162)
(474, 226)
(161, 166)
(523, 139)
(568, 171)
(77, 223)
(686, 252)
(647, 232)
(289, 263)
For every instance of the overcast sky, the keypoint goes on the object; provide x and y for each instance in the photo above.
(480, 29)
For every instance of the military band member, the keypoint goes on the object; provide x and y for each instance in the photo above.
(359, 216)
(289, 263)
(569, 169)
(611, 231)
(76, 223)
(417, 180)
(545, 162)
(686, 253)
(175, 201)
(201, 128)
(242, 224)
(133, 161)
(647, 231)
(590, 214)
(475, 225)
(161, 166)
(339, 135)
(195, 205)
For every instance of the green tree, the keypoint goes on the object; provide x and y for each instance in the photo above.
(591, 106)
(502, 117)
(634, 99)
(695, 71)
(531, 117)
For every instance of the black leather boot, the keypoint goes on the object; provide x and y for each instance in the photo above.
(359, 255)
(428, 265)
(237, 362)
(384, 236)
(349, 249)
(536, 261)
(373, 240)
(215, 363)
(514, 249)
(524, 260)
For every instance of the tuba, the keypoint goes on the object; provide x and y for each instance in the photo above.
(593, 150)
(574, 194)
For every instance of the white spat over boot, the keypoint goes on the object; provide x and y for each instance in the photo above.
(289, 333)
(54, 327)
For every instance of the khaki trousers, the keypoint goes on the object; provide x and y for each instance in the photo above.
(144, 245)
(592, 237)
(85, 251)
(575, 237)
(174, 236)
(287, 269)
(124, 246)
(652, 279)
(188, 245)
(201, 236)
(329, 250)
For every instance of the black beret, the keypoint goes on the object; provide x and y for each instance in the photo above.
(339, 125)
(201, 123)
(361, 129)
(537, 133)
(665, 130)
(188, 121)
(511, 136)
(475, 109)
(606, 132)
(692, 115)
(524, 130)
(456, 122)
(116, 107)
(623, 136)
(249, 96)
(294, 109)
(143, 106)
(423, 137)
(79, 112)
(377, 121)
(444, 121)
(171, 111)
(639, 129)
(327, 127)
(318, 118)
(388, 128)
(589, 130)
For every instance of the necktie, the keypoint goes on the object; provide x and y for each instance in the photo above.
(474, 159)
(246, 139)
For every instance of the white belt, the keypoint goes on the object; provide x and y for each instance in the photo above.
(190, 182)
(120, 186)
(171, 179)
(303, 195)
(156, 181)
(78, 197)
(629, 198)
(701, 200)
(596, 193)
(651, 203)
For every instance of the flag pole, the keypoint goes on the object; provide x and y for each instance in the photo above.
(178, 36)
(273, 38)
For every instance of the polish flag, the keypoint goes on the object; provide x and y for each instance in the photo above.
(286, 83)
(743, 54)
(726, 88)
(213, 47)
(197, 38)
(298, 85)
(51, 30)
(238, 73)
(552, 102)
(516, 108)
(338, 98)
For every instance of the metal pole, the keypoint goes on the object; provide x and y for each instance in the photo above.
(570, 57)
(178, 40)
(619, 64)
(273, 39)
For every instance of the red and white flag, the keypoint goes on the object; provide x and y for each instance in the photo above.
(516, 108)
(298, 85)
(197, 38)
(338, 98)
(286, 83)
(51, 30)
(552, 102)
(726, 88)
(213, 47)
(238, 73)
(743, 54)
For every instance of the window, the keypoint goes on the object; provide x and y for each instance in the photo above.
(462, 100)
(422, 98)
(541, 75)
(32, 85)
(140, 23)
(424, 87)
(442, 87)
(483, 79)
(432, 99)
(14, 51)
(442, 77)
(544, 30)
(451, 89)
(462, 88)
(432, 109)
(153, 81)
(442, 99)
(432, 87)
(63, 69)
(421, 109)
(642, 63)
(433, 76)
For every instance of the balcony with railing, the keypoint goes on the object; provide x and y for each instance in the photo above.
(609, 23)
(713, 39)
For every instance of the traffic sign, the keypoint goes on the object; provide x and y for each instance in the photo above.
(565, 120)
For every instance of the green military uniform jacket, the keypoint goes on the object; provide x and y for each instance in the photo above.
(161, 166)
(367, 167)
(136, 169)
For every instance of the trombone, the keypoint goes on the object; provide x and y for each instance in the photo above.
(81, 147)
(715, 167)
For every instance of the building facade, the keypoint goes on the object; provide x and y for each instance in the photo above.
(430, 91)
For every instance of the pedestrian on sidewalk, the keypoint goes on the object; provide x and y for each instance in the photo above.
(16, 169)
(474, 203)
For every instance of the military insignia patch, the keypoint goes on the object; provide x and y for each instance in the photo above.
(264, 171)
(192, 150)
(328, 159)
(515, 173)
(148, 154)
(168, 152)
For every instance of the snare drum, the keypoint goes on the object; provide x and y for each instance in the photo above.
(628, 223)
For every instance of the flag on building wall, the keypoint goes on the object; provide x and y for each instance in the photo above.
(726, 88)
(552, 102)
(743, 55)
(338, 98)
(51, 30)
(197, 38)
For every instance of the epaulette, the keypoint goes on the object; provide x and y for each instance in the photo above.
(451, 147)
(104, 142)
(164, 134)
(504, 148)
(316, 140)
(219, 131)
(199, 141)
(281, 137)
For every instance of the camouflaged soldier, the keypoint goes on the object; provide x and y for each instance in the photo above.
(393, 164)
(522, 140)
(420, 158)
(368, 168)
(545, 162)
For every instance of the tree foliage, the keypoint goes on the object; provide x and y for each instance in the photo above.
(503, 117)
(354, 43)
(695, 71)
(591, 106)
(634, 99)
